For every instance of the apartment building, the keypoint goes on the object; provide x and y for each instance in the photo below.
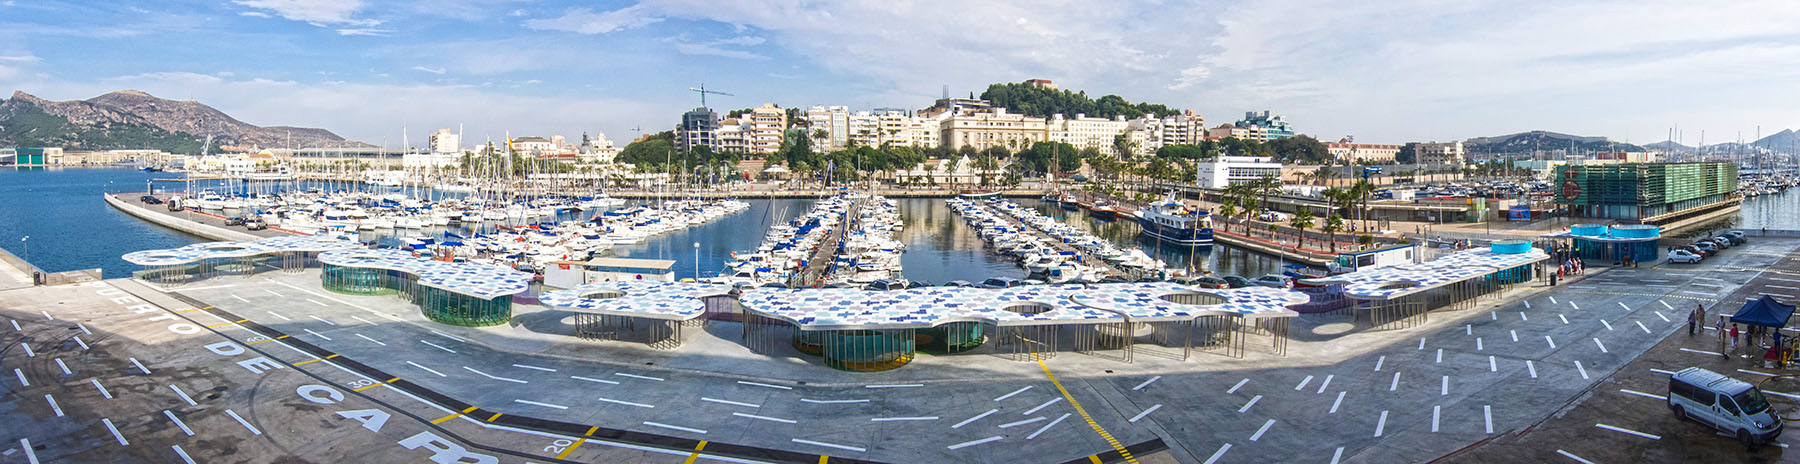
(1346, 152)
(1441, 153)
(993, 127)
(1084, 132)
(763, 128)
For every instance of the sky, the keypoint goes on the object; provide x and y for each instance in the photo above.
(1384, 72)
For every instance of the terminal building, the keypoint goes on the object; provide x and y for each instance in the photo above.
(1647, 193)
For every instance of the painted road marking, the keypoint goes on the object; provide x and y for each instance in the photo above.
(675, 427)
(1148, 382)
(28, 352)
(84, 329)
(1440, 356)
(1665, 304)
(1664, 318)
(1265, 428)
(1327, 383)
(1786, 395)
(427, 369)
(1434, 417)
(535, 368)
(988, 413)
(1607, 324)
(534, 403)
(1240, 384)
(58, 409)
(183, 395)
(1478, 344)
(1248, 405)
(1696, 293)
(976, 442)
(115, 432)
(1708, 353)
(899, 419)
(102, 389)
(1334, 404)
(1550, 341)
(1553, 300)
(1396, 383)
(1421, 343)
(29, 454)
(1647, 395)
(1379, 361)
(316, 334)
(1009, 425)
(1565, 320)
(285, 318)
(1601, 345)
(1015, 392)
(234, 295)
(622, 374)
(503, 379)
(320, 319)
(272, 292)
(1531, 368)
(1053, 423)
(1042, 406)
(1572, 456)
(1527, 304)
(627, 403)
(1468, 329)
(452, 337)
(317, 302)
(1515, 335)
(1663, 372)
(1583, 370)
(828, 445)
(904, 385)
(1641, 325)
(47, 315)
(577, 377)
(1381, 424)
(65, 367)
(1218, 454)
(1487, 418)
(733, 403)
(1146, 412)
(1303, 383)
(222, 324)
(178, 423)
(1764, 374)
(1337, 454)
(1444, 387)
(365, 321)
(1628, 431)
(754, 384)
(808, 400)
(22, 381)
(433, 345)
(16, 328)
(140, 366)
(365, 337)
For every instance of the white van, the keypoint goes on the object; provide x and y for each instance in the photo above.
(1727, 404)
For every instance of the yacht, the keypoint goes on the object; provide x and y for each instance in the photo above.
(1170, 221)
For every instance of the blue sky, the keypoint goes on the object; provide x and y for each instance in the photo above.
(1392, 71)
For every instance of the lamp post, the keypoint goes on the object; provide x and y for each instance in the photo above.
(696, 261)
(27, 241)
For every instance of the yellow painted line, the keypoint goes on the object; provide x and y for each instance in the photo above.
(496, 416)
(267, 339)
(571, 448)
(471, 409)
(222, 324)
(309, 361)
(366, 387)
(444, 419)
(591, 430)
(1084, 414)
(823, 459)
(188, 310)
(696, 455)
(1095, 459)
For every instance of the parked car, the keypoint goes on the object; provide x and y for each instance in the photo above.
(1272, 216)
(959, 283)
(1738, 236)
(150, 200)
(1691, 249)
(255, 224)
(884, 285)
(1724, 403)
(1722, 242)
(1683, 256)
(1707, 246)
(234, 221)
(1208, 282)
(1001, 282)
(1236, 281)
(1274, 281)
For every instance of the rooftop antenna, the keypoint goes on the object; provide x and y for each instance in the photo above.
(702, 91)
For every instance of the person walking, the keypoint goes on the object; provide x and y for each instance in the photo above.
(1691, 317)
(1734, 337)
(1720, 327)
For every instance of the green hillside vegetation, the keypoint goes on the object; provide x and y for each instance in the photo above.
(31, 127)
(1032, 100)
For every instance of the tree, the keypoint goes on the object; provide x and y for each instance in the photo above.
(1333, 225)
(1181, 151)
(1302, 220)
(1300, 149)
(1409, 153)
(1044, 156)
(652, 150)
(1228, 208)
(1361, 192)
(1038, 101)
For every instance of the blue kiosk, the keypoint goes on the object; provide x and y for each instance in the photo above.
(1601, 243)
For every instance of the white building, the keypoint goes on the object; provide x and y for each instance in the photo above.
(600, 149)
(864, 130)
(444, 141)
(835, 121)
(732, 137)
(1185, 128)
(1227, 170)
(531, 145)
(994, 127)
(1084, 132)
(763, 127)
(1351, 153)
(429, 161)
(1441, 153)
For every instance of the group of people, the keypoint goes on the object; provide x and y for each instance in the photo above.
(1780, 350)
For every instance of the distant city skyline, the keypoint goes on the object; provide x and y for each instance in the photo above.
(1388, 72)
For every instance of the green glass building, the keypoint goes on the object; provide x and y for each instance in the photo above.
(1650, 193)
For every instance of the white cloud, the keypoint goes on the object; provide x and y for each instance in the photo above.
(437, 70)
(714, 48)
(586, 21)
(254, 14)
(25, 58)
(316, 12)
(370, 32)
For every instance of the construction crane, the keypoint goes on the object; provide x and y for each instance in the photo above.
(702, 90)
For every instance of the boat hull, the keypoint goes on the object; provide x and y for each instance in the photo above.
(1175, 235)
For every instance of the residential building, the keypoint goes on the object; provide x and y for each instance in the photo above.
(429, 161)
(600, 149)
(834, 121)
(698, 128)
(1084, 132)
(993, 127)
(763, 127)
(1185, 128)
(444, 141)
(951, 106)
(731, 137)
(1346, 152)
(1434, 153)
(1650, 193)
(1041, 83)
(1264, 126)
(531, 146)
(1227, 131)
(1227, 170)
(864, 130)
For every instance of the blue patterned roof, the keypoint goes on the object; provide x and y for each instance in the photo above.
(477, 280)
(653, 299)
(830, 309)
(194, 253)
(1391, 282)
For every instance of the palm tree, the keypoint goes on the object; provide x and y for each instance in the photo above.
(1333, 224)
(1228, 208)
(1302, 220)
(1361, 191)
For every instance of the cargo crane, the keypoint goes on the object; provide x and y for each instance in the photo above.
(702, 91)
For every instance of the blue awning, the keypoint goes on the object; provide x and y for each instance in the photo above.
(1765, 312)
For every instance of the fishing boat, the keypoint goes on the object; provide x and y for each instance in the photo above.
(1103, 210)
(979, 194)
(1171, 221)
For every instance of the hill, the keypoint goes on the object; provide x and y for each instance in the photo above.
(1527, 142)
(133, 119)
(1787, 141)
(1669, 146)
(1040, 101)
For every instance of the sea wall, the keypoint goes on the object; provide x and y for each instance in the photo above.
(172, 222)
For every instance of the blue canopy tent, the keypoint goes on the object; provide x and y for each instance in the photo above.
(1764, 312)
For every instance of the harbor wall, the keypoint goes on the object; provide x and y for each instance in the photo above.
(176, 223)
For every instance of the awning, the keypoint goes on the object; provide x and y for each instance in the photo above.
(1765, 312)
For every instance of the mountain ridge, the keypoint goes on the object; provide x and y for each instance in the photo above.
(122, 118)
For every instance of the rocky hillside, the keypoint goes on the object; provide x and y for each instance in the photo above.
(133, 119)
(1528, 142)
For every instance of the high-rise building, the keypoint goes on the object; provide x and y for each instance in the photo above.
(698, 128)
(834, 121)
(444, 141)
(1265, 126)
(599, 149)
(763, 129)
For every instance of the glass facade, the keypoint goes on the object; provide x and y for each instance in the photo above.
(438, 305)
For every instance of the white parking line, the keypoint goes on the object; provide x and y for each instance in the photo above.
(1607, 324)
(1379, 362)
(427, 369)
(178, 423)
(47, 315)
(1381, 424)
(54, 407)
(1249, 404)
(991, 412)
(65, 367)
(1218, 454)
(1527, 304)
(1665, 304)
(627, 403)
(1785, 395)
(1708, 353)
(577, 377)
(1440, 356)
(115, 432)
(1572, 456)
(1053, 423)
(1553, 300)
(317, 302)
(1493, 366)
(907, 385)
(1444, 388)
(1628, 431)
(1642, 326)
(1009, 425)
(902, 419)
(491, 376)
(1550, 341)
(365, 321)
(535, 368)
(733, 403)
(1337, 454)
(239, 298)
(1576, 306)
(29, 454)
(1146, 383)
(1696, 293)
(28, 352)
(452, 337)
(1492, 316)
(675, 427)
(1015, 392)
(1515, 335)
(976, 442)
(1532, 368)
(1487, 418)
(1240, 384)
(1564, 319)
(1396, 383)
(433, 345)
(1303, 383)
(635, 376)
(754, 384)
(1582, 370)
(828, 445)
(1146, 412)
(1647, 395)
(1334, 404)
(534, 403)
(1664, 318)
(102, 389)
(84, 329)
(1601, 345)
(183, 395)
(1327, 383)
(1622, 305)
(246, 424)
(1764, 374)
(1468, 329)
(1478, 344)
(1434, 417)
(140, 366)
(808, 400)
(22, 381)
(272, 313)
(272, 292)
(1421, 343)
(365, 337)
(316, 334)
(16, 328)
(1042, 406)
(1663, 372)
(321, 319)
(1265, 428)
